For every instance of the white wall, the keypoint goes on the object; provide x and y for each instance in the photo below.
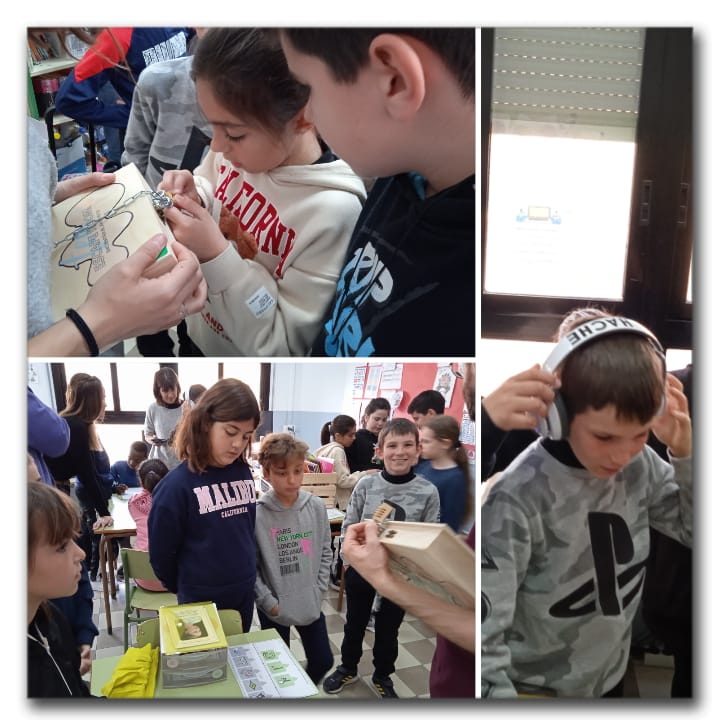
(307, 394)
(40, 381)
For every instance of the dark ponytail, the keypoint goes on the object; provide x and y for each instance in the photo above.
(340, 425)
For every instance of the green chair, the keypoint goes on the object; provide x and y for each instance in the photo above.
(136, 566)
(148, 631)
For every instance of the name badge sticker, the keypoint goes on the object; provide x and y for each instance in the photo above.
(261, 302)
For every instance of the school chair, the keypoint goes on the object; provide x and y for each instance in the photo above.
(148, 631)
(137, 566)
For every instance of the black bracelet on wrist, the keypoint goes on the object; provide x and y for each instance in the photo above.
(85, 331)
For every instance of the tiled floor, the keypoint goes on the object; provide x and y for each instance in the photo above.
(416, 640)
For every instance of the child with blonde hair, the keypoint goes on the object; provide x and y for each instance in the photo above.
(294, 552)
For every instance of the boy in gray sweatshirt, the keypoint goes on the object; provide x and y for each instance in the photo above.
(294, 554)
(413, 499)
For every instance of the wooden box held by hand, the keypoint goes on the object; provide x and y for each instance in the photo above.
(79, 260)
(433, 557)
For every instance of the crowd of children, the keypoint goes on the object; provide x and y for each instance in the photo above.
(277, 212)
(298, 259)
(192, 518)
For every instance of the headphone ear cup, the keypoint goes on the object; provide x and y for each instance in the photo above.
(555, 425)
(563, 424)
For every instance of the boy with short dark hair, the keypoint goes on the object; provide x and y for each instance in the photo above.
(425, 405)
(413, 498)
(399, 104)
(293, 552)
(124, 472)
(566, 527)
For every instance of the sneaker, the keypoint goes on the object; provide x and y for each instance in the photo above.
(338, 680)
(371, 624)
(384, 688)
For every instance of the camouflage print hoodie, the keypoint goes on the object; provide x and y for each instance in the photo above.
(412, 497)
(563, 564)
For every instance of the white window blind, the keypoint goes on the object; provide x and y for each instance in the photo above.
(577, 82)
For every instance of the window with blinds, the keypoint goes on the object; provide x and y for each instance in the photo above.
(585, 78)
(564, 112)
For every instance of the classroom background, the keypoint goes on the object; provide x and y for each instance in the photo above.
(296, 397)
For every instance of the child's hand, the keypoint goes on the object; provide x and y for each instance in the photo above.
(275, 611)
(179, 182)
(85, 660)
(180, 292)
(520, 400)
(120, 489)
(193, 226)
(103, 522)
(674, 428)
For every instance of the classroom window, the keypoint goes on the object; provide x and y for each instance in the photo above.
(586, 138)
(564, 101)
(128, 385)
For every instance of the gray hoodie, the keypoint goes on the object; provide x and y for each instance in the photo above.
(293, 557)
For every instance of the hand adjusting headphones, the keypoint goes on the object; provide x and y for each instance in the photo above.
(556, 426)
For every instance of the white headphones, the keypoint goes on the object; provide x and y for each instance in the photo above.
(555, 426)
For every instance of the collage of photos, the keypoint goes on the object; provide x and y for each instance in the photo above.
(236, 357)
(263, 301)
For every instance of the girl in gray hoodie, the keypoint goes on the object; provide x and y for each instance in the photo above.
(293, 552)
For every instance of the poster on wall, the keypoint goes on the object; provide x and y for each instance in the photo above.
(392, 375)
(358, 407)
(394, 397)
(467, 430)
(445, 383)
(373, 381)
(359, 381)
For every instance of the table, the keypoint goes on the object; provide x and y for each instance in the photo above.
(123, 526)
(103, 668)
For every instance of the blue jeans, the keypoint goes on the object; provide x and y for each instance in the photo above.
(114, 137)
(315, 642)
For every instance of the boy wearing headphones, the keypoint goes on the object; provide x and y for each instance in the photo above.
(565, 529)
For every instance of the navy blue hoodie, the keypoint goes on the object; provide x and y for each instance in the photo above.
(201, 533)
(408, 284)
(139, 47)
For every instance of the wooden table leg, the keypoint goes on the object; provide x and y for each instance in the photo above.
(111, 567)
(103, 575)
